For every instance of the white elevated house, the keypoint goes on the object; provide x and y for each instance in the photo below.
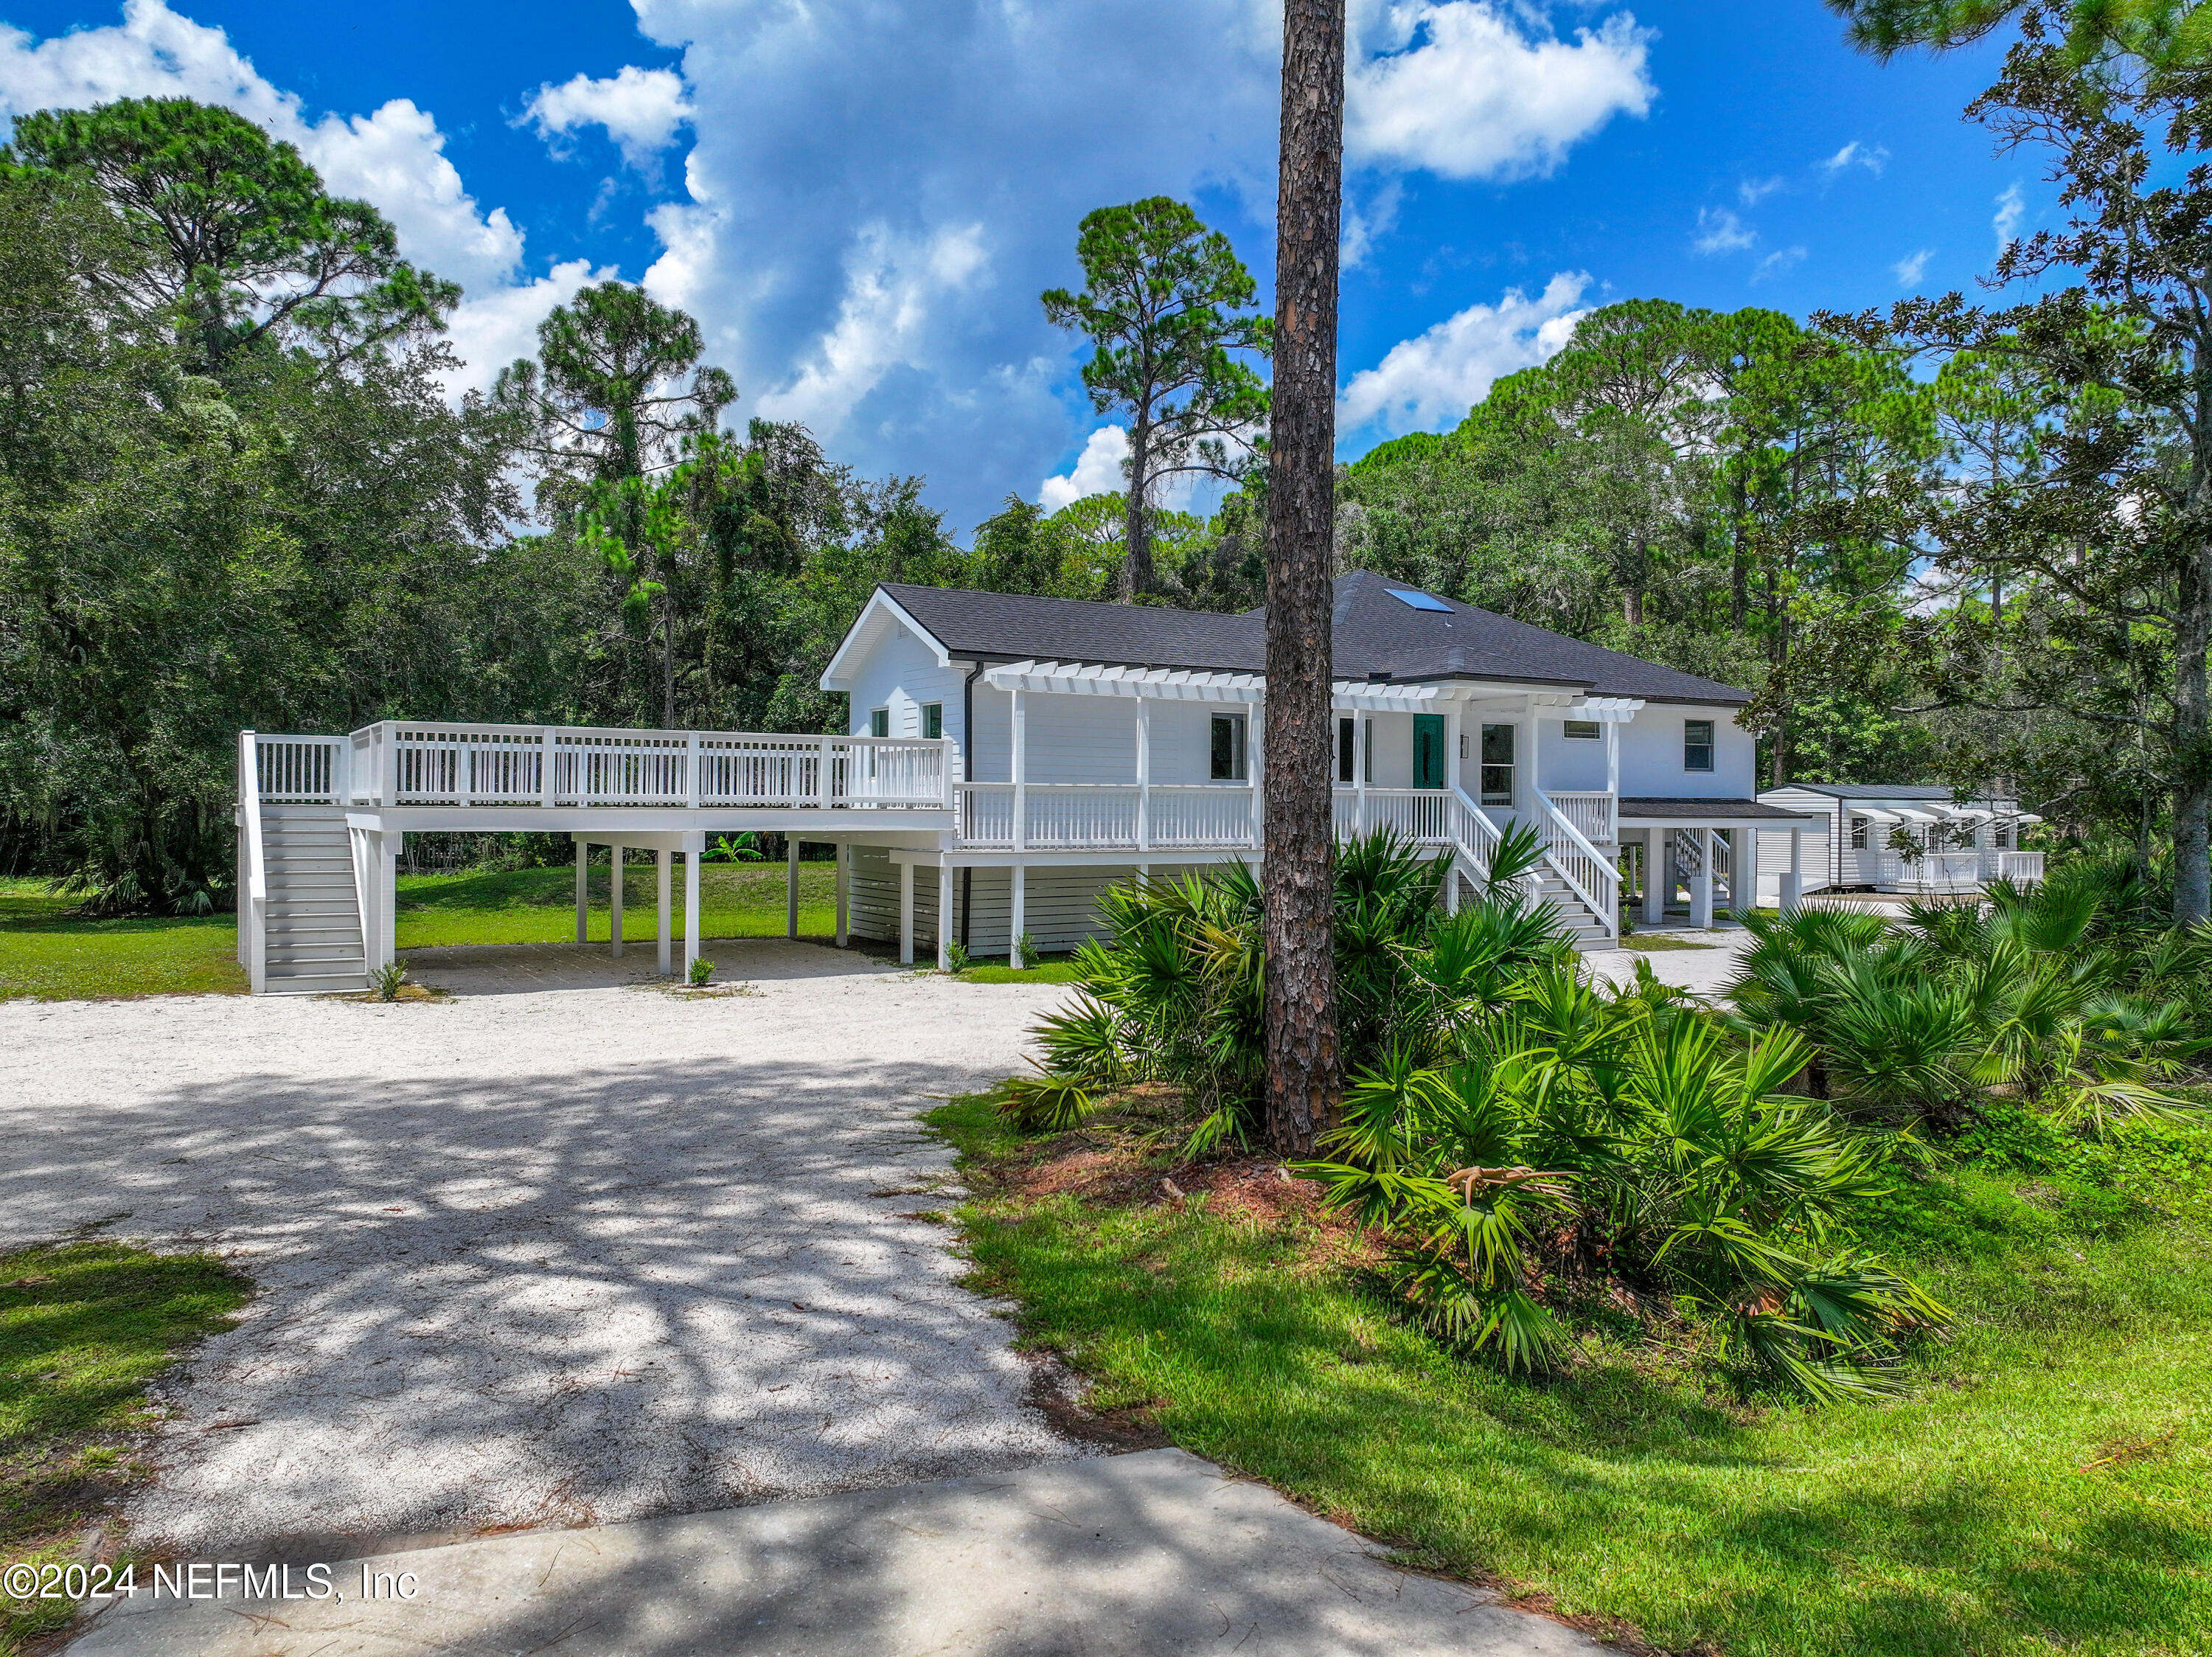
(1911, 838)
(1009, 756)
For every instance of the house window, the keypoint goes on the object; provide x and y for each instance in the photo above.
(1858, 834)
(1583, 730)
(1228, 748)
(879, 721)
(1696, 745)
(933, 720)
(1345, 740)
(2001, 837)
(1498, 765)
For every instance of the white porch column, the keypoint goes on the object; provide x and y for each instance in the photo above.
(1255, 765)
(382, 947)
(1743, 871)
(695, 848)
(1528, 726)
(615, 911)
(1613, 765)
(1452, 727)
(944, 915)
(790, 886)
(1658, 876)
(844, 893)
(1793, 884)
(1018, 746)
(1362, 742)
(664, 862)
(1144, 774)
(1017, 922)
(1701, 884)
(583, 874)
(906, 914)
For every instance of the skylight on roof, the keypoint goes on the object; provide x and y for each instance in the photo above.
(1418, 600)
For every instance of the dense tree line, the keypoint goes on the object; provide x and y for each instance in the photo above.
(1957, 543)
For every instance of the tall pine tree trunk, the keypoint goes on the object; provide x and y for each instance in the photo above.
(2193, 733)
(1136, 522)
(1301, 988)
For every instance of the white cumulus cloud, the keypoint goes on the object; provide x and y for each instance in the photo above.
(641, 109)
(2012, 208)
(1468, 89)
(1777, 262)
(1873, 157)
(1720, 231)
(1909, 269)
(393, 157)
(1433, 378)
(1096, 471)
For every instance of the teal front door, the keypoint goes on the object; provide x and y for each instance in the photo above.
(1428, 751)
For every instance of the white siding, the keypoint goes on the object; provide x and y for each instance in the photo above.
(1651, 755)
(1080, 738)
(1060, 905)
(901, 674)
(1574, 766)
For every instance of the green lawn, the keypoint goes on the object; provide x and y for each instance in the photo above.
(2046, 1488)
(84, 1327)
(49, 953)
(539, 905)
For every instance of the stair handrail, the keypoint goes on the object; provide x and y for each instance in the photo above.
(1479, 848)
(253, 921)
(1578, 849)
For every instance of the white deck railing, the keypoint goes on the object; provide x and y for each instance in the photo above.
(2021, 867)
(1595, 816)
(399, 763)
(1579, 864)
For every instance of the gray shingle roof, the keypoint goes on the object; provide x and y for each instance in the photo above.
(1374, 634)
(1668, 808)
(1876, 790)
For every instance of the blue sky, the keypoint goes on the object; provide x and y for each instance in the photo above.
(861, 203)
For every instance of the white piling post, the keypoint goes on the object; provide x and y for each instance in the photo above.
(1792, 896)
(791, 886)
(663, 861)
(695, 847)
(906, 914)
(1017, 922)
(615, 908)
(944, 917)
(583, 874)
(844, 893)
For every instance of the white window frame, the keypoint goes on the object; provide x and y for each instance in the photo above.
(1238, 772)
(1711, 745)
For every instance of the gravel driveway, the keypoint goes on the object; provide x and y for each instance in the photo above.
(561, 1250)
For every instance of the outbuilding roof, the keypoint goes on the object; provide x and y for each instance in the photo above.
(1376, 634)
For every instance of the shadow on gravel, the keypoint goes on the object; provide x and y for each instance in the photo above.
(548, 1300)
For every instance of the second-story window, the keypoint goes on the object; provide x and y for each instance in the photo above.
(1228, 749)
(879, 721)
(1696, 745)
(933, 720)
